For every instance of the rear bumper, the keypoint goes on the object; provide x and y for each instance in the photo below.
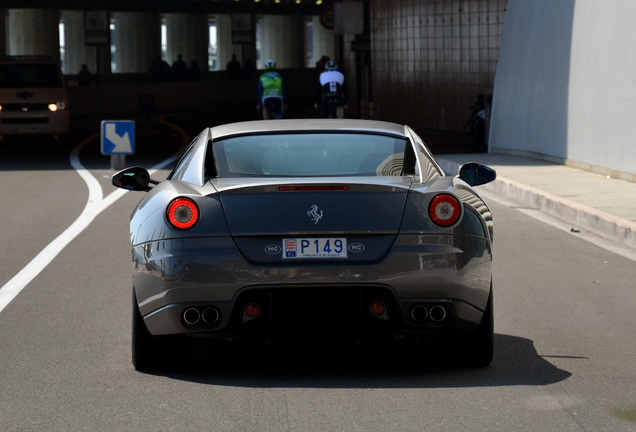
(452, 272)
(34, 123)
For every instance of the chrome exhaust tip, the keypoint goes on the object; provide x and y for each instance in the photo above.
(210, 315)
(438, 313)
(191, 316)
(419, 313)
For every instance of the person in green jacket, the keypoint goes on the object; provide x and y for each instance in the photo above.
(271, 92)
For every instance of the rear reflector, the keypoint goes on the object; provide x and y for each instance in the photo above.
(252, 310)
(444, 210)
(377, 308)
(312, 188)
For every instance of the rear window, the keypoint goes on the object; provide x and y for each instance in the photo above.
(309, 155)
(32, 75)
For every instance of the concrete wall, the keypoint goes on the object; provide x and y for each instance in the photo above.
(430, 58)
(565, 85)
(136, 94)
(33, 32)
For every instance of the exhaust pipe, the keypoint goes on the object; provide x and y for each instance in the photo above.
(210, 315)
(191, 316)
(419, 313)
(438, 313)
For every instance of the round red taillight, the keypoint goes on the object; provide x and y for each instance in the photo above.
(444, 210)
(183, 213)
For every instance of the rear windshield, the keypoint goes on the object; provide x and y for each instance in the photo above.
(29, 75)
(309, 155)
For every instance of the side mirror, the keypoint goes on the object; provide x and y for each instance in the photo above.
(476, 174)
(133, 178)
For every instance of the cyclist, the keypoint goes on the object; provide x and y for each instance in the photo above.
(333, 92)
(271, 92)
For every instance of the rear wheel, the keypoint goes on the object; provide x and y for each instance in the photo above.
(329, 108)
(150, 352)
(478, 348)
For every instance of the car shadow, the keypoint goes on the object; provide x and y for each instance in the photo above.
(516, 362)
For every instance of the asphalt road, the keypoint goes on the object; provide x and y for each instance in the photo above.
(564, 320)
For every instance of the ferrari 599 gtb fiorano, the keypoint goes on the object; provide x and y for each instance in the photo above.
(311, 231)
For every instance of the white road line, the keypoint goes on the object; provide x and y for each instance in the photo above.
(94, 206)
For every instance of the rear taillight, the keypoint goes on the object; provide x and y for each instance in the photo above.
(444, 210)
(183, 213)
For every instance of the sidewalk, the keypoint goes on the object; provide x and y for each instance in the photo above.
(604, 206)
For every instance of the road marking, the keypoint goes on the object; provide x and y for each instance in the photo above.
(94, 206)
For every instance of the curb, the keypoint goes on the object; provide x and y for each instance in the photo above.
(598, 222)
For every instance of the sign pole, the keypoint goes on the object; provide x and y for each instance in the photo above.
(117, 162)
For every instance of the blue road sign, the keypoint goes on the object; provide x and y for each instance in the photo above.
(118, 137)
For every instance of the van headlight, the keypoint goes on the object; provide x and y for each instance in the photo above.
(57, 106)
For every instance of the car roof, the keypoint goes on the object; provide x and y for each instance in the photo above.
(307, 125)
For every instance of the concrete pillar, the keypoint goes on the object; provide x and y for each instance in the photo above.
(187, 34)
(137, 40)
(75, 52)
(224, 46)
(282, 39)
(34, 32)
(324, 41)
(3, 38)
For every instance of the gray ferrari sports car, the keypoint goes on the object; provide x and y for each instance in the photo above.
(311, 232)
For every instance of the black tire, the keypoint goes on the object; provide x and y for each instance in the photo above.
(480, 345)
(151, 353)
(144, 348)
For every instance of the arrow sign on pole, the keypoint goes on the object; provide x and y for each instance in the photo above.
(118, 137)
(122, 143)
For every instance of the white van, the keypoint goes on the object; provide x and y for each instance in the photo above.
(33, 97)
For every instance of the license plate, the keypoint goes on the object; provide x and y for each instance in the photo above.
(22, 129)
(294, 248)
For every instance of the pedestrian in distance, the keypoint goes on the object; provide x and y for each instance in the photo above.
(194, 72)
(84, 76)
(248, 69)
(233, 68)
(271, 93)
(179, 69)
(159, 69)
